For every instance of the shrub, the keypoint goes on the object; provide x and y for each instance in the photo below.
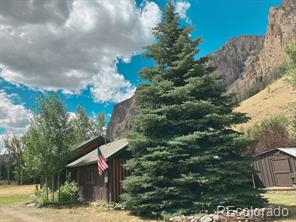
(40, 195)
(3, 182)
(69, 192)
(270, 133)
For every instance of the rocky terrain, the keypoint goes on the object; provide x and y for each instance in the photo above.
(233, 57)
(248, 63)
(267, 64)
(121, 118)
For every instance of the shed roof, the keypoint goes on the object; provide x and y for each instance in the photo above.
(107, 150)
(290, 151)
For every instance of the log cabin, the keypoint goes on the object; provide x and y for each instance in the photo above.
(106, 187)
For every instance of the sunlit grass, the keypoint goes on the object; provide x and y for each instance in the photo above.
(7, 200)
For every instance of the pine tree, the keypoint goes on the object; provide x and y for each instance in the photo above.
(186, 156)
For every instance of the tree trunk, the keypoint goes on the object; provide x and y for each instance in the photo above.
(52, 189)
(59, 191)
(8, 174)
(22, 175)
(18, 174)
(46, 182)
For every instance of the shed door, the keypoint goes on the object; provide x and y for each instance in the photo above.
(282, 171)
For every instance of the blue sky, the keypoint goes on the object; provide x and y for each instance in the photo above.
(91, 54)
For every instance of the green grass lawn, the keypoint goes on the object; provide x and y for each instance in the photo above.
(6, 200)
(286, 199)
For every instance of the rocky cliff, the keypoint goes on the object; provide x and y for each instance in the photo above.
(122, 115)
(245, 61)
(267, 64)
(233, 57)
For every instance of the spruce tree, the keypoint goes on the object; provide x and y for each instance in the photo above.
(186, 155)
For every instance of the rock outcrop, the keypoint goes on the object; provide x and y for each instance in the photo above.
(245, 61)
(122, 115)
(267, 65)
(233, 57)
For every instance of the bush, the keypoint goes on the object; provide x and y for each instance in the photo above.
(3, 182)
(40, 195)
(271, 133)
(69, 192)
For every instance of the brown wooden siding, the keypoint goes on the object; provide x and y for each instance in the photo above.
(105, 188)
(117, 174)
(275, 168)
(96, 190)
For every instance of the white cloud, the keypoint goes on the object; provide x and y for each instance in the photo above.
(115, 88)
(13, 118)
(74, 47)
(182, 8)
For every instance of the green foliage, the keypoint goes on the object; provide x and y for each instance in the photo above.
(3, 182)
(15, 148)
(69, 192)
(48, 138)
(279, 121)
(40, 195)
(186, 155)
(85, 128)
(271, 133)
(114, 206)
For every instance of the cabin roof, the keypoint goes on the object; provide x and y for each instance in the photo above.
(107, 150)
(86, 143)
(290, 151)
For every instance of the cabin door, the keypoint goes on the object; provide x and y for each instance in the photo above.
(282, 171)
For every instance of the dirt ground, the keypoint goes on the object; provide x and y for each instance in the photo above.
(12, 209)
(20, 213)
(16, 211)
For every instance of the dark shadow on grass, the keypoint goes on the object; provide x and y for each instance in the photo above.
(72, 205)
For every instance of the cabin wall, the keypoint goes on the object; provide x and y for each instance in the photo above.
(92, 186)
(105, 188)
(275, 169)
(117, 173)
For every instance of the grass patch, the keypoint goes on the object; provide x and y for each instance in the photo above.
(7, 200)
(284, 199)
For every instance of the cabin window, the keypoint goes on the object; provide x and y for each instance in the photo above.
(90, 176)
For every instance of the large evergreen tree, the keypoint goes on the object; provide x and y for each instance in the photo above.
(186, 156)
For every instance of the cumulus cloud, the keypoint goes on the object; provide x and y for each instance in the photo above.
(182, 8)
(14, 119)
(73, 44)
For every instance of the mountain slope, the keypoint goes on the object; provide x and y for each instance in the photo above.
(248, 63)
(267, 64)
(277, 99)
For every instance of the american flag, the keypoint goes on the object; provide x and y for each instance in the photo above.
(102, 163)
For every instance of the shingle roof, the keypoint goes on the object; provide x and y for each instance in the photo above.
(110, 149)
(85, 143)
(290, 151)
(87, 159)
(107, 150)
